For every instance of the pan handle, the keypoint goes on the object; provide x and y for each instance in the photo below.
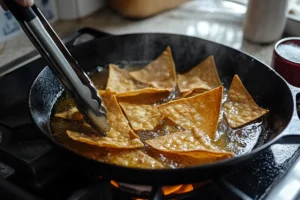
(291, 134)
(84, 35)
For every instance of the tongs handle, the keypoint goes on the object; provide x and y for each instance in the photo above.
(20, 13)
(72, 77)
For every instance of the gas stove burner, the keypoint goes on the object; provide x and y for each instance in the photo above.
(169, 192)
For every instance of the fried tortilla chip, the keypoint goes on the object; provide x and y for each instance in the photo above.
(201, 111)
(120, 81)
(202, 76)
(193, 92)
(114, 139)
(141, 116)
(120, 134)
(145, 91)
(160, 73)
(191, 143)
(72, 114)
(101, 92)
(139, 109)
(144, 96)
(108, 98)
(134, 158)
(240, 108)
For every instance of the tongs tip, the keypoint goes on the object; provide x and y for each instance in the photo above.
(99, 123)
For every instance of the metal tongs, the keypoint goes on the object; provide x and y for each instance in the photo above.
(64, 66)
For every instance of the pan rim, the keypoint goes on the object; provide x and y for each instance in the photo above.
(219, 163)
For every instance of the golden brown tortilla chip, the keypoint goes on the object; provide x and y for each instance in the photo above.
(144, 96)
(193, 92)
(120, 81)
(139, 107)
(144, 91)
(115, 116)
(160, 73)
(201, 111)
(208, 155)
(134, 158)
(72, 114)
(101, 92)
(114, 139)
(108, 98)
(142, 116)
(240, 108)
(120, 134)
(202, 76)
(191, 143)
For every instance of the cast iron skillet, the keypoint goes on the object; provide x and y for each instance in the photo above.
(265, 85)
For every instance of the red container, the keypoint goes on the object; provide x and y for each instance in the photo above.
(289, 70)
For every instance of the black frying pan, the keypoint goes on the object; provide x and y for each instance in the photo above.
(266, 86)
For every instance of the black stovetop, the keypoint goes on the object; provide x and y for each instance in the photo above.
(31, 169)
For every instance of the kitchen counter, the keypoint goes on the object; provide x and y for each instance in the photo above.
(179, 21)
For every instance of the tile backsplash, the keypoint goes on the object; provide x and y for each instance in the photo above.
(10, 27)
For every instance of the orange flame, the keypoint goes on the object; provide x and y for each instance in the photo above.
(184, 189)
(176, 189)
(114, 183)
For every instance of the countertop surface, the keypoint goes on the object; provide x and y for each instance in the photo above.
(183, 20)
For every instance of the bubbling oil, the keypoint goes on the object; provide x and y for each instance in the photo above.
(238, 141)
